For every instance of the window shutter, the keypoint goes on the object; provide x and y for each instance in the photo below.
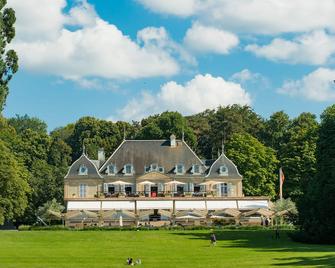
(160, 187)
(105, 187)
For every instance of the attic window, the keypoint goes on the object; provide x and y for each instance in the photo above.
(111, 170)
(153, 167)
(180, 169)
(161, 169)
(128, 169)
(196, 169)
(223, 170)
(82, 170)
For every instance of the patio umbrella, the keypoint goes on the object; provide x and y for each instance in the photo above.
(115, 215)
(120, 182)
(81, 215)
(146, 183)
(189, 217)
(174, 183)
(210, 183)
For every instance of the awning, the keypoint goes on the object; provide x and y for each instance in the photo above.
(80, 205)
(118, 205)
(218, 204)
(164, 204)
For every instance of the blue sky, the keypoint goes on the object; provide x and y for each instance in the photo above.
(124, 60)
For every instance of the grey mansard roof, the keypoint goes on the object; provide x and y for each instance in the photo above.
(92, 171)
(141, 153)
(223, 160)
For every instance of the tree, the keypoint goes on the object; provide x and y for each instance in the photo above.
(284, 208)
(163, 125)
(229, 120)
(256, 162)
(317, 209)
(14, 186)
(298, 155)
(51, 210)
(275, 130)
(21, 123)
(8, 58)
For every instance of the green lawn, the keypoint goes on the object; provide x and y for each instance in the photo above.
(89, 249)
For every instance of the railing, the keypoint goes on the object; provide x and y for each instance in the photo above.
(160, 194)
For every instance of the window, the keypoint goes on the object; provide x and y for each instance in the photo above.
(128, 169)
(82, 170)
(161, 169)
(147, 169)
(224, 189)
(153, 167)
(82, 190)
(196, 169)
(111, 170)
(223, 170)
(180, 169)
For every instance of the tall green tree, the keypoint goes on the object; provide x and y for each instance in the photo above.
(21, 123)
(298, 155)
(256, 162)
(14, 186)
(275, 129)
(8, 57)
(163, 125)
(317, 209)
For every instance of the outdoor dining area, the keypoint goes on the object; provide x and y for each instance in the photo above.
(166, 217)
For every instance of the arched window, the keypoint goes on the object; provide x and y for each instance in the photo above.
(83, 170)
(223, 171)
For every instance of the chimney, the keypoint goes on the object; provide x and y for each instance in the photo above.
(101, 155)
(173, 141)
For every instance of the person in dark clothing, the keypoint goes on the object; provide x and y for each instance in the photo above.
(213, 239)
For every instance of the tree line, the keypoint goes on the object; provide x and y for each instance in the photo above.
(34, 162)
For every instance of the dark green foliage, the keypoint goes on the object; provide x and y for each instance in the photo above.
(8, 58)
(298, 155)
(317, 208)
(256, 162)
(163, 125)
(21, 123)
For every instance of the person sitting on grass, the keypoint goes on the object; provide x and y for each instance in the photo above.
(213, 239)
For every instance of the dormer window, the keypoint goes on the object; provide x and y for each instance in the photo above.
(111, 170)
(196, 169)
(82, 170)
(147, 169)
(161, 169)
(180, 169)
(153, 167)
(223, 171)
(128, 169)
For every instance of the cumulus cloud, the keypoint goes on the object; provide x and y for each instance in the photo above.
(200, 93)
(257, 16)
(316, 86)
(314, 48)
(202, 38)
(183, 8)
(91, 47)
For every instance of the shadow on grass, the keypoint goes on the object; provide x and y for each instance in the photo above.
(263, 241)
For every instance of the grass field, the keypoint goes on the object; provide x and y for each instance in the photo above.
(90, 249)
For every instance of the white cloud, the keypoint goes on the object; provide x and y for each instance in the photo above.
(209, 39)
(200, 93)
(92, 47)
(257, 16)
(313, 48)
(182, 8)
(316, 86)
